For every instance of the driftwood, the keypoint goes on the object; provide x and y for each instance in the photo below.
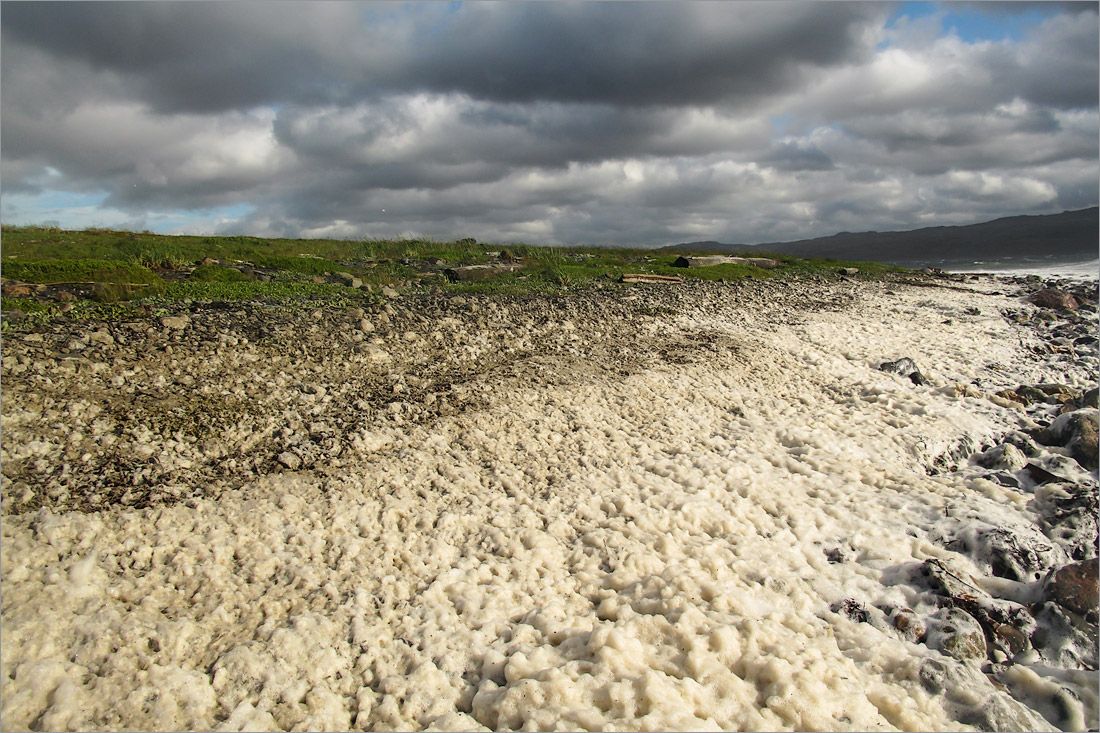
(764, 263)
(645, 278)
(470, 273)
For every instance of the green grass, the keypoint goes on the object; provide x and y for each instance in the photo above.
(76, 270)
(117, 258)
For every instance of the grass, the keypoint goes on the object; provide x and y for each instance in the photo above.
(129, 265)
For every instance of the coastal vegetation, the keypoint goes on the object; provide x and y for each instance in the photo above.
(103, 272)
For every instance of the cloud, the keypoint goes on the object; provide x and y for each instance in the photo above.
(616, 123)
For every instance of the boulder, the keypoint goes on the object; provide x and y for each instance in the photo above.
(764, 263)
(1054, 298)
(1077, 431)
(1074, 587)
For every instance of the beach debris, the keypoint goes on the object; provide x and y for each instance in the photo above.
(1054, 298)
(647, 278)
(853, 609)
(764, 263)
(904, 367)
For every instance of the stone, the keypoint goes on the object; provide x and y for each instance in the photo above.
(956, 633)
(1077, 431)
(909, 624)
(849, 270)
(1004, 457)
(290, 460)
(64, 296)
(101, 337)
(1091, 398)
(904, 367)
(1032, 394)
(16, 291)
(1069, 516)
(389, 292)
(1054, 298)
(1074, 587)
(365, 326)
(1063, 637)
(176, 323)
(974, 701)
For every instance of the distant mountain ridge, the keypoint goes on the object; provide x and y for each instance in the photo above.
(1065, 236)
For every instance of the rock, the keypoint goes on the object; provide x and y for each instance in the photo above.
(1004, 457)
(904, 367)
(101, 337)
(473, 273)
(1063, 637)
(348, 279)
(1054, 298)
(1069, 516)
(1020, 552)
(176, 323)
(1077, 431)
(1091, 398)
(14, 315)
(956, 633)
(64, 296)
(366, 326)
(1074, 587)
(1032, 394)
(971, 698)
(849, 271)
(208, 261)
(290, 460)
(962, 591)
(389, 292)
(12, 290)
(764, 263)
(909, 624)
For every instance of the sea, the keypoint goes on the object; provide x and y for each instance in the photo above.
(1078, 269)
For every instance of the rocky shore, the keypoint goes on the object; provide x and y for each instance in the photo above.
(446, 512)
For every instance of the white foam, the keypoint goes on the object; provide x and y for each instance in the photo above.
(638, 553)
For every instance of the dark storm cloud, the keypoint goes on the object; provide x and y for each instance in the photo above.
(627, 123)
(186, 56)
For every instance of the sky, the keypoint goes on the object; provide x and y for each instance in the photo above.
(614, 123)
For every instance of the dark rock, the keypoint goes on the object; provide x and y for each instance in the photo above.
(1031, 394)
(1076, 431)
(1021, 553)
(1004, 478)
(904, 367)
(1040, 475)
(1074, 587)
(1054, 298)
(836, 555)
(1063, 637)
(973, 700)
(14, 315)
(1091, 398)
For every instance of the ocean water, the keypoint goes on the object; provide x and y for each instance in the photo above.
(1075, 270)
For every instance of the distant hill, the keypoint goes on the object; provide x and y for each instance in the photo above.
(1071, 235)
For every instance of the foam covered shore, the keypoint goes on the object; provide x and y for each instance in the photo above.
(688, 507)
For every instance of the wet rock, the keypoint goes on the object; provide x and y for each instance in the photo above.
(961, 591)
(909, 624)
(1054, 298)
(1032, 394)
(957, 634)
(1020, 552)
(1068, 515)
(1076, 431)
(904, 367)
(1063, 637)
(1074, 587)
(1004, 457)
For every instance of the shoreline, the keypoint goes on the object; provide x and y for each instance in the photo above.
(679, 507)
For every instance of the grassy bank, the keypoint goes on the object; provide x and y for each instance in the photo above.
(107, 271)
